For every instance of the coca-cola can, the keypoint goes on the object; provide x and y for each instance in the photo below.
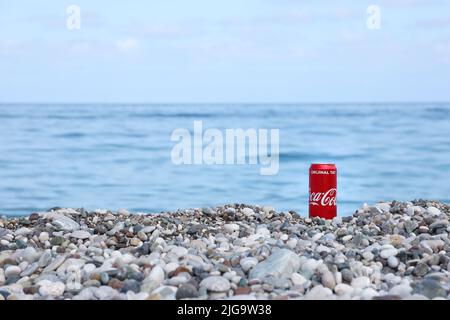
(322, 190)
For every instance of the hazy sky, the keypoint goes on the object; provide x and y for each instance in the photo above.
(224, 51)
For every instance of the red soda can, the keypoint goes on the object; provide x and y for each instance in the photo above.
(322, 190)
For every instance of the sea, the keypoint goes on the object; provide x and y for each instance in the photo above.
(113, 156)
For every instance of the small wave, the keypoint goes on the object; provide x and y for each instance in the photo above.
(345, 114)
(303, 156)
(176, 115)
(75, 116)
(10, 116)
(440, 109)
(70, 135)
(125, 146)
(438, 113)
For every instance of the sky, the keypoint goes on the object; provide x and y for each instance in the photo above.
(203, 51)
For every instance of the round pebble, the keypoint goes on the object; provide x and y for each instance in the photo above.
(43, 237)
(216, 284)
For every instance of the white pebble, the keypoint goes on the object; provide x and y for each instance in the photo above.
(248, 263)
(369, 293)
(319, 292)
(179, 251)
(383, 206)
(89, 267)
(392, 262)
(23, 231)
(54, 289)
(433, 211)
(347, 238)
(170, 267)
(360, 282)
(292, 243)
(263, 231)
(157, 274)
(343, 289)
(216, 284)
(388, 253)
(12, 271)
(231, 227)
(135, 242)
(2, 277)
(367, 255)
(401, 290)
(297, 279)
(248, 212)
(328, 280)
(80, 234)
(44, 236)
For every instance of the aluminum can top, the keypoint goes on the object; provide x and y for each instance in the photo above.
(324, 166)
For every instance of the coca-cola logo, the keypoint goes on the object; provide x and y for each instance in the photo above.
(323, 198)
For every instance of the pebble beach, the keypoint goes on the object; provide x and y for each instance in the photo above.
(388, 250)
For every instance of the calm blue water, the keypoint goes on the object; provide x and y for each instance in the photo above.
(118, 156)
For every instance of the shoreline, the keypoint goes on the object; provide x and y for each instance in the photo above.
(391, 250)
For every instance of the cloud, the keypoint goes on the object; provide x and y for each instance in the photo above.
(442, 52)
(161, 29)
(128, 45)
(414, 3)
(89, 19)
(15, 48)
(351, 36)
(438, 23)
(165, 29)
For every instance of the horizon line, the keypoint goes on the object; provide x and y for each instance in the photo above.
(226, 103)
